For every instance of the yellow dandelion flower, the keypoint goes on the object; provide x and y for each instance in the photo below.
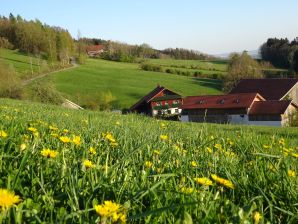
(209, 149)
(8, 199)
(92, 150)
(123, 218)
(164, 137)
(157, 152)
(218, 146)
(187, 190)
(194, 164)
(257, 217)
(281, 141)
(23, 146)
(110, 137)
(112, 211)
(76, 140)
(32, 129)
(88, 164)
(114, 144)
(204, 181)
(117, 123)
(65, 131)
(148, 164)
(162, 125)
(291, 173)
(266, 146)
(53, 128)
(211, 137)
(64, 139)
(49, 153)
(294, 155)
(222, 181)
(3, 134)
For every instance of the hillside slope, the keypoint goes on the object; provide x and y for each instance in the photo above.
(125, 81)
(62, 163)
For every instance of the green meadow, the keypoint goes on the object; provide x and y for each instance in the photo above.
(67, 166)
(125, 81)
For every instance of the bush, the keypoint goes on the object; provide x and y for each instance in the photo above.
(150, 67)
(44, 92)
(4, 43)
(10, 84)
(293, 119)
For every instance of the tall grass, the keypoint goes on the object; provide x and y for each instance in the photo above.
(151, 170)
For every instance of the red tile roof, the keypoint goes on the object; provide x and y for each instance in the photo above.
(94, 48)
(270, 89)
(270, 107)
(229, 101)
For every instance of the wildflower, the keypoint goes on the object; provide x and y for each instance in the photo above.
(294, 155)
(65, 131)
(55, 135)
(8, 199)
(156, 152)
(3, 134)
(266, 146)
(164, 137)
(162, 125)
(49, 153)
(53, 128)
(23, 146)
(117, 123)
(64, 139)
(211, 137)
(291, 173)
(187, 190)
(281, 141)
(218, 146)
(114, 144)
(76, 140)
(194, 164)
(32, 129)
(88, 164)
(204, 181)
(110, 137)
(92, 150)
(257, 217)
(148, 164)
(209, 149)
(112, 211)
(222, 181)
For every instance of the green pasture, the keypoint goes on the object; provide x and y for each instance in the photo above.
(125, 81)
(148, 167)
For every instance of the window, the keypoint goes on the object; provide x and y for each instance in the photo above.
(169, 112)
(242, 115)
(177, 111)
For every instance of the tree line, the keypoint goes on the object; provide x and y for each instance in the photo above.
(281, 53)
(34, 38)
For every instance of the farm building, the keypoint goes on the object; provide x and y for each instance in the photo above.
(270, 89)
(159, 102)
(240, 108)
(94, 50)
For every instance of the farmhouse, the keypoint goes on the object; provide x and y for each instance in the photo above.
(94, 50)
(242, 108)
(270, 89)
(159, 102)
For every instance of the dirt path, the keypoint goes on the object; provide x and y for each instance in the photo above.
(28, 81)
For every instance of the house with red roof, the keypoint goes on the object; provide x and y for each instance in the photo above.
(252, 101)
(94, 50)
(160, 102)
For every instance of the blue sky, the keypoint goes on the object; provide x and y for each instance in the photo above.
(213, 26)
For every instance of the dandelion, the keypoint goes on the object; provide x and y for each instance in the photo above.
(65, 131)
(222, 181)
(64, 139)
(49, 153)
(23, 146)
(162, 125)
(8, 199)
(294, 155)
(148, 164)
(156, 152)
(209, 149)
(164, 137)
(187, 190)
(204, 181)
(3, 134)
(291, 173)
(266, 146)
(110, 137)
(281, 141)
(32, 129)
(76, 140)
(92, 150)
(53, 128)
(117, 123)
(218, 146)
(257, 217)
(194, 164)
(111, 211)
(88, 164)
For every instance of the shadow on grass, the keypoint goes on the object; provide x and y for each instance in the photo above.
(211, 83)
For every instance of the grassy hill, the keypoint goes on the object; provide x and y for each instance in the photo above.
(148, 167)
(126, 81)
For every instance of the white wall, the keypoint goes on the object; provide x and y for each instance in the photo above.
(266, 123)
(237, 119)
